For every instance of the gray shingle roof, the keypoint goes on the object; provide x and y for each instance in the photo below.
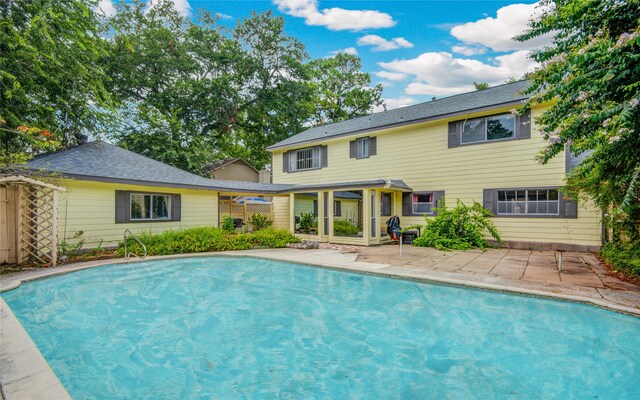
(494, 96)
(102, 161)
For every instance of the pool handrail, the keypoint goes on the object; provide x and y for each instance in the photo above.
(144, 248)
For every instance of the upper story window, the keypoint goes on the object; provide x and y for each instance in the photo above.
(495, 127)
(151, 207)
(528, 202)
(302, 159)
(362, 147)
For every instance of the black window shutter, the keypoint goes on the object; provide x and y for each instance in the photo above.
(406, 205)
(523, 125)
(176, 207)
(437, 199)
(285, 161)
(454, 138)
(489, 199)
(568, 207)
(315, 208)
(352, 149)
(325, 156)
(373, 146)
(122, 206)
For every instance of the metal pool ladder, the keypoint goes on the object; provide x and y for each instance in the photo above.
(127, 255)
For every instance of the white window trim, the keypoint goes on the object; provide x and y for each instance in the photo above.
(364, 145)
(414, 204)
(316, 158)
(513, 136)
(527, 201)
(151, 205)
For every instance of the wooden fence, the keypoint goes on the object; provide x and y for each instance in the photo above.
(246, 210)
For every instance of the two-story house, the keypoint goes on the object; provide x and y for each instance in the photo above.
(472, 147)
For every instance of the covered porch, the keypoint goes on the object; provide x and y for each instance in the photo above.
(353, 213)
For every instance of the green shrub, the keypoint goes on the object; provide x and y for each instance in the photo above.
(228, 224)
(460, 228)
(307, 222)
(343, 227)
(206, 239)
(259, 221)
(623, 257)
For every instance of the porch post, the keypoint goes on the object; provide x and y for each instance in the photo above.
(292, 213)
(320, 197)
(331, 217)
(366, 215)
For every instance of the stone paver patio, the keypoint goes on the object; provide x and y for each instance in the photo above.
(582, 272)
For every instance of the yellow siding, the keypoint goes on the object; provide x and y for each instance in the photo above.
(418, 154)
(90, 207)
(349, 208)
(281, 212)
(303, 204)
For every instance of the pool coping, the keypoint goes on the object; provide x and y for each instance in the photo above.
(26, 373)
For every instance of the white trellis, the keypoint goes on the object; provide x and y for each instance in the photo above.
(28, 220)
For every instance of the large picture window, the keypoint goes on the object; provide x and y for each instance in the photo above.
(302, 159)
(496, 127)
(528, 202)
(150, 207)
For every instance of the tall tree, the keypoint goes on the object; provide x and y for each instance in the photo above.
(51, 84)
(193, 92)
(175, 81)
(341, 90)
(591, 78)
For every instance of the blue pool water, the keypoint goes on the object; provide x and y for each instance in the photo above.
(229, 328)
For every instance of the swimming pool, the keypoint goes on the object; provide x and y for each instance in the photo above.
(221, 327)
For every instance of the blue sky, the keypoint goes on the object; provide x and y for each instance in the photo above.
(416, 49)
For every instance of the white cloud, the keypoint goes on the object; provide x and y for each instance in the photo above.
(441, 74)
(382, 44)
(336, 19)
(182, 6)
(399, 102)
(497, 33)
(224, 16)
(348, 50)
(392, 76)
(468, 50)
(105, 7)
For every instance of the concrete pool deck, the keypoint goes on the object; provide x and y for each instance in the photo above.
(25, 374)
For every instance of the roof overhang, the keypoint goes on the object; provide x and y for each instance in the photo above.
(390, 184)
(399, 124)
(214, 188)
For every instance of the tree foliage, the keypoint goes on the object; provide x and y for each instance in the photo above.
(341, 90)
(51, 83)
(182, 91)
(590, 76)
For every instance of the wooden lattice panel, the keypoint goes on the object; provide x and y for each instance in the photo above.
(38, 223)
(246, 210)
(264, 209)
